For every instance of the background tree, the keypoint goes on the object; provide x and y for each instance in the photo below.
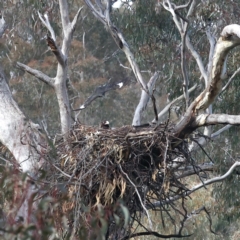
(178, 53)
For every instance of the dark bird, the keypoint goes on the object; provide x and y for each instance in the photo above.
(105, 125)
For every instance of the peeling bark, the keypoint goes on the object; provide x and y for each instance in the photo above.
(228, 40)
(23, 138)
(59, 82)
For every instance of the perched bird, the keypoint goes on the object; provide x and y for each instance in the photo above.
(105, 125)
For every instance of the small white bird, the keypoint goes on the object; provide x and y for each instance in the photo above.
(120, 84)
(119, 3)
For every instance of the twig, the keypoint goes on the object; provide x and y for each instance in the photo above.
(156, 234)
(166, 108)
(145, 209)
(36, 73)
(44, 19)
(208, 182)
(230, 80)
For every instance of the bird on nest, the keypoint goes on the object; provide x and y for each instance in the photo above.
(105, 125)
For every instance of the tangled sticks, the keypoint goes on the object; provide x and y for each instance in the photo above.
(137, 165)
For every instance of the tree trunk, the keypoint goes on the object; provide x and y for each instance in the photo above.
(23, 139)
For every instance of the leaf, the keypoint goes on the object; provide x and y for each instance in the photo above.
(116, 218)
(126, 215)
(104, 226)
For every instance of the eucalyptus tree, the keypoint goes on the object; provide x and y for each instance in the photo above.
(30, 147)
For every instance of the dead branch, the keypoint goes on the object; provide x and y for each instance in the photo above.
(204, 184)
(167, 107)
(228, 40)
(230, 80)
(44, 19)
(213, 119)
(36, 73)
(145, 97)
(140, 199)
(3, 25)
(155, 234)
(202, 141)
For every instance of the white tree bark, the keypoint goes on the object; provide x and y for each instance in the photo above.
(3, 26)
(145, 97)
(19, 134)
(24, 140)
(230, 38)
(102, 14)
(59, 82)
(201, 185)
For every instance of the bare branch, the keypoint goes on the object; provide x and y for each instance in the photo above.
(38, 74)
(201, 185)
(74, 21)
(197, 57)
(144, 100)
(166, 108)
(192, 8)
(99, 5)
(64, 15)
(183, 6)
(183, 64)
(203, 140)
(230, 80)
(170, 7)
(44, 19)
(182, 25)
(139, 196)
(3, 25)
(203, 208)
(231, 33)
(213, 119)
(97, 13)
(193, 170)
(122, 44)
(215, 179)
(212, 42)
(155, 234)
(228, 40)
(221, 130)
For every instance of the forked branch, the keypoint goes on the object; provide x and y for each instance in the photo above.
(230, 38)
(145, 97)
(44, 19)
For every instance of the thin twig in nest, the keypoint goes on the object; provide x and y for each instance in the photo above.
(140, 199)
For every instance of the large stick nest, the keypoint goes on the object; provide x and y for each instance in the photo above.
(136, 165)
